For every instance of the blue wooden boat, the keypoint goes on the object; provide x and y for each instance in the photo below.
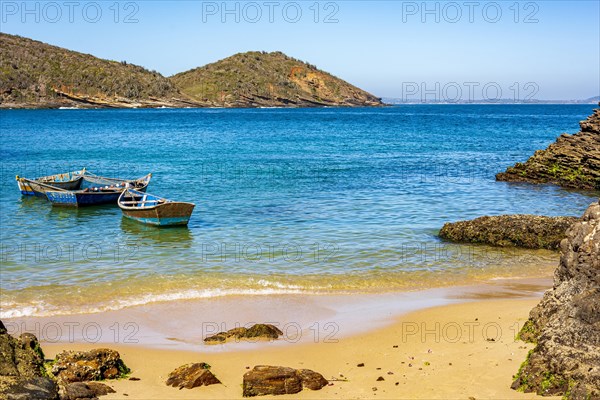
(96, 195)
(39, 186)
(153, 210)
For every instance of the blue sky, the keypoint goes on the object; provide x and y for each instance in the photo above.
(544, 49)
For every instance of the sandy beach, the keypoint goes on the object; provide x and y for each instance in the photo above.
(463, 349)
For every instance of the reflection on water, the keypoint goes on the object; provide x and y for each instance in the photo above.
(180, 235)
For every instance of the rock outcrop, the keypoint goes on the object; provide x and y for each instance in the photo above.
(93, 365)
(257, 331)
(22, 373)
(573, 161)
(190, 376)
(84, 390)
(566, 324)
(265, 379)
(528, 231)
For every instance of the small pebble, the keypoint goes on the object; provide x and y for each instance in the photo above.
(397, 383)
(390, 373)
(378, 368)
(395, 346)
(380, 379)
(374, 389)
(360, 365)
(133, 378)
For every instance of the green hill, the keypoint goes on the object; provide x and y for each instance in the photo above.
(35, 74)
(260, 79)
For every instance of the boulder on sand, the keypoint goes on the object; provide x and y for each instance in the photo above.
(266, 379)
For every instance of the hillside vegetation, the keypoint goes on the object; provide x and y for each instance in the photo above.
(34, 73)
(254, 79)
(37, 75)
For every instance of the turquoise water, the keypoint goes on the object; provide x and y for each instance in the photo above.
(287, 201)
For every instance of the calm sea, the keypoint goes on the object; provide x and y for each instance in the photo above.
(287, 201)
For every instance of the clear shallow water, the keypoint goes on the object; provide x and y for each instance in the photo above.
(287, 201)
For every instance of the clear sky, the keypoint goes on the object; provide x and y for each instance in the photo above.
(543, 49)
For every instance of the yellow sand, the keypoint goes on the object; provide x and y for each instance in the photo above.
(443, 363)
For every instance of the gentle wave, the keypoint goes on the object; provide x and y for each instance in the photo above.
(40, 310)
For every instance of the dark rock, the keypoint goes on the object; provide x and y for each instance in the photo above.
(572, 161)
(311, 380)
(528, 231)
(266, 331)
(22, 368)
(35, 388)
(360, 364)
(133, 378)
(380, 379)
(266, 379)
(566, 323)
(93, 365)
(84, 390)
(190, 376)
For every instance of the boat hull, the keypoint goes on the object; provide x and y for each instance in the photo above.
(167, 214)
(29, 187)
(94, 196)
(74, 199)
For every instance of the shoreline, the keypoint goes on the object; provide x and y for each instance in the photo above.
(460, 350)
(182, 325)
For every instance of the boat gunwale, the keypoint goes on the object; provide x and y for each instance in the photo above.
(149, 208)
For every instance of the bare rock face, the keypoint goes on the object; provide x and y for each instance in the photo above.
(265, 331)
(566, 323)
(22, 368)
(193, 375)
(93, 365)
(528, 231)
(266, 379)
(573, 161)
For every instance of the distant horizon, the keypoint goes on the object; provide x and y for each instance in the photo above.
(443, 50)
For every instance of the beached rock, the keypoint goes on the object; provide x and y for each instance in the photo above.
(266, 379)
(265, 331)
(93, 365)
(84, 390)
(22, 368)
(528, 231)
(566, 323)
(193, 375)
(573, 161)
(36, 388)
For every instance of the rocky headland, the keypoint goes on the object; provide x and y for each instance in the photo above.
(565, 325)
(527, 231)
(261, 79)
(573, 161)
(34, 74)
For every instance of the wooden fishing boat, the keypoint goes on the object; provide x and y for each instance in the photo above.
(39, 186)
(96, 195)
(91, 180)
(153, 210)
